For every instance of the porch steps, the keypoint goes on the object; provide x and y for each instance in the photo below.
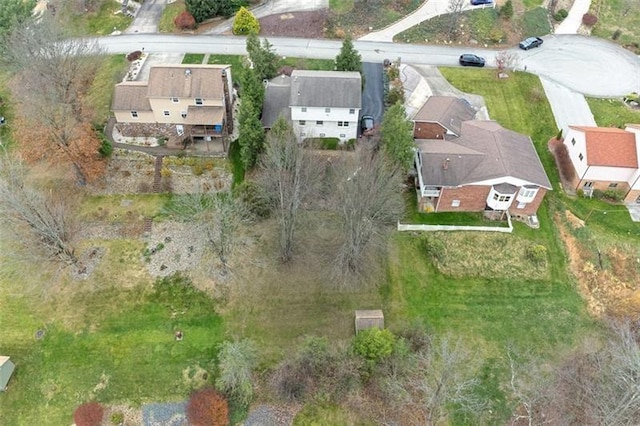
(157, 176)
(147, 224)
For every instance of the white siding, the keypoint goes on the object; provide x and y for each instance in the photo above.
(610, 174)
(580, 147)
(329, 127)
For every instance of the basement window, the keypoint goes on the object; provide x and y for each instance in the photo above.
(455, 203)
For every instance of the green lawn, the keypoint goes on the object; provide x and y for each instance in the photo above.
(618, 15)
(535, 22)
(103, 22)
(169, 14)
(612, 112)
(193, 58)
(113, 70)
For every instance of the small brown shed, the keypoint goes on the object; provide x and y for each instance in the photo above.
(369, 319)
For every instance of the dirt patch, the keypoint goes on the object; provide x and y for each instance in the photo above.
(297, 24)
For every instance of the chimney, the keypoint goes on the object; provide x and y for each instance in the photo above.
(445, 164)
(187, 72)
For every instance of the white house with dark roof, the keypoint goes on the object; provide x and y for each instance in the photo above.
(487, 167)
(194, 99)
(318, 103)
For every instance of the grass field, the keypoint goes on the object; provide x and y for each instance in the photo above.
(103, 22)
(612, 112)
(618, 15)
(169, 14)
(113, 69)
(193, 58)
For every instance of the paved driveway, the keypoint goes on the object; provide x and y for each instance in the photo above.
(147, 18)
(373, 93)
(569, 107)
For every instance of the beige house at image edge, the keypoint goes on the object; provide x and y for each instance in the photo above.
(6, 370)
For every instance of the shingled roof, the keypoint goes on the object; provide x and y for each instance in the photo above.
(326, 89)
(448, 111)
(609, 146)
(485, 150)
(186, 81)
(130, 96)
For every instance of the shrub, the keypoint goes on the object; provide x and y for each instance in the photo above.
(88, 414)
(560, 15)
(236, 363)
(185, 21)
(564, 162)
(616, 34)
(496, 35)
(506, 11)
(206, 407)
(435, 248)
(589, 19)
(106, 149)
(134, 56)
(614, 194)
(117, 418)
(537, 254)
(245, 23)
(559, 135)
(374, 344)
(395, 95)
(250, 194)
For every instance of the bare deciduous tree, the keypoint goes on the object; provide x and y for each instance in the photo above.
(368, 199)
(40, 221)
(506, 60)
(454, 10)
(289, 176)
(52, 76)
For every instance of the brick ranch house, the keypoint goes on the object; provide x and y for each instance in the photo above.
(606, 159)
(189, 103)
(487, 168)
(441, 117)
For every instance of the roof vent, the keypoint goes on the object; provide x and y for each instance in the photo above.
(445, 164)
(187, 72)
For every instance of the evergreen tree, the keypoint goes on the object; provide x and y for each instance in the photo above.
(202, 9)
(252, 87)
(251, 133)
(397, 136)
(263, 57)
(245, 23)
(506, 11)
(348, 59)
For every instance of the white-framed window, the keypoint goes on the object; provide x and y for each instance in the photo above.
(175, 100)
(327, 110)
(581, 157)
(166, 113)
(352, 110)
(319, 122)
(199, 101)
(339, 123)
(302, 122)
(343, 135)
(183, 114)
(134, 114)
(322, 135)
(303, 109)
(521, 205)
(501, 198)
(573, 141)
(527, 192)
(613, 185)
(455, 203)
(346, 124)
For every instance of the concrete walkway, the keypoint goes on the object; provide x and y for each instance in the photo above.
(568, 107)
(572, 23)
(428, 10)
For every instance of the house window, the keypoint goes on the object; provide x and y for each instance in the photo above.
(573, 141)
(521, 205)
(327, 110)
(346, 124)
(339, 123)
(166, 113)
(302, 122)
(352, 111)
(527, 192)
(496, 196)
(455, 203)
(343, 135)
(175, 100)
(198, 101)
(504, 198)
(322, 135)
(581, 157)
(303, 109)
(184, 114)
(319, 122)
(613, 185)
(134, 114)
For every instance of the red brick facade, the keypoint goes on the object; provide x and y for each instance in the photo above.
(529, 208)
(601, 185)
(632, 196)
(423, 130)
(472, 199)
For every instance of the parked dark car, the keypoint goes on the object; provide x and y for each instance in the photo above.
(471, 60)
(530, 43)
(366, 125)
(478, 2)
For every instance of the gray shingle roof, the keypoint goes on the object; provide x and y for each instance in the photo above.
(327, 89)
(130, 96)
(450, 112)
(485, 151)
(276, 100)
(186, 81)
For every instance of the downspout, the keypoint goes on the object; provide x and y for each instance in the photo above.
(585, 173)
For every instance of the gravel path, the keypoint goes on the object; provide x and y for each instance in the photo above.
(269, 415)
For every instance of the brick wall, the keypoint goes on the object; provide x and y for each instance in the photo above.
(604, 185)
(632, 196)
(472, 199)
(530, 208)
(422, 130)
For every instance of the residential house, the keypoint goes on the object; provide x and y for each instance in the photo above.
(606, 158)
(192, 101)
(487, 168)
(320, 103)
(441, 117)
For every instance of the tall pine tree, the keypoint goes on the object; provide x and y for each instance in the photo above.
(348, 59)
(397, 136)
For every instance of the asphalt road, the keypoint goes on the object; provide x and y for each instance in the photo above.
(587, 65)
(147, 18)
(373, 93)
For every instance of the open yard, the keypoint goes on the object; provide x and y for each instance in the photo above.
(618, 20)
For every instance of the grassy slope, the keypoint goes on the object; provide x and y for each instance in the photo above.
(103, 22)
(618, 15)
(612, 112)
(169, 14)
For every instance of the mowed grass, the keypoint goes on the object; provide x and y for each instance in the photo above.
(102, 22)
(111, 72)
(618, 15)
(193, 58)
(612, 112)
(109, 338)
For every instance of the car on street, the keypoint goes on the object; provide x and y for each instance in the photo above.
(478, 2)
(366, 125)
(470, 60)
(530, 43)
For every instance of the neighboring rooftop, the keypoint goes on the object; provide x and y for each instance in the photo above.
(610, 146)
(448, 111)
(131, 96)
(485, 151)
(327, 89)
(186, 81)
(276, 100)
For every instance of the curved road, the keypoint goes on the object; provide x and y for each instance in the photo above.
(586, 65)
